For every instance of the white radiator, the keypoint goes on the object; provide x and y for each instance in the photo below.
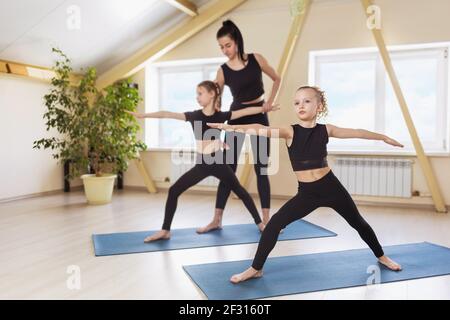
(183, 161)
(375, 176)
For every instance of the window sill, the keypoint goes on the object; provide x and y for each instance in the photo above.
(385, 153)
(437, 154)
(170, 150)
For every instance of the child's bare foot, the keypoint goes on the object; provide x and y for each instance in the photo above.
(160, 235)
(214, 225)
(390, 263)
(248, 274)
(261, 226)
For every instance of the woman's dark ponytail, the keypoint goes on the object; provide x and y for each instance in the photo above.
(230, 29)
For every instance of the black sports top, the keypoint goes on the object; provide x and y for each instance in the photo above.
(245, 84)
(308, 149)
(198, 122)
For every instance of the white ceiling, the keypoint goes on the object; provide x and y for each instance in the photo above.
(110, 30)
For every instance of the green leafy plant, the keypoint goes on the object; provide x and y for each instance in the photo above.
(111, 131)
(93, 128)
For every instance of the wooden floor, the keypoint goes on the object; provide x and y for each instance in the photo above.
(41, 237)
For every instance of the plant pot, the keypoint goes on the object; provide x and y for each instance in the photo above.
(98, 190)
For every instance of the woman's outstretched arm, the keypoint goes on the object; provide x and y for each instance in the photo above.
(159, 115)
(256, 129)
(250, 111)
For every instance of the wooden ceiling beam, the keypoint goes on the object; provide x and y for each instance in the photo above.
(185, 5)
(167, 42)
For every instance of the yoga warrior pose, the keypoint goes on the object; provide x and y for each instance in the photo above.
(317, 185)
(242, 73)
(209, 160)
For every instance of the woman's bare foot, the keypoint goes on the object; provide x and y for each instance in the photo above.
(214, 225)
(261, 226)
(390, 263)
(160, 235)
(250, 273)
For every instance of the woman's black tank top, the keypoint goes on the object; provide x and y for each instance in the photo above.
(245, 84)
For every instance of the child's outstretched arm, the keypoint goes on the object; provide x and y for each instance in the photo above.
(159, 115)
(256, 129)
(250, 111)
(347, 133)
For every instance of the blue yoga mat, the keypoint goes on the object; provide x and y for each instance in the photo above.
(133, 242)
(319, 271)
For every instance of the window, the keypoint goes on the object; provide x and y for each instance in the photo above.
(360, 95)
(172, 86)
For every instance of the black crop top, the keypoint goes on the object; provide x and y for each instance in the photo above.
(245, 84)
(198, 122)
(308, 149)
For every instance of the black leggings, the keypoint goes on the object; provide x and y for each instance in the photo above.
(199, 172)
(261, 151)
(325, 192)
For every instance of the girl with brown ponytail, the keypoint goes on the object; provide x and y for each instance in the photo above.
(209, 160)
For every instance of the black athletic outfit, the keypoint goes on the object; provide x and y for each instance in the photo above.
(206, 165)
(246, 85)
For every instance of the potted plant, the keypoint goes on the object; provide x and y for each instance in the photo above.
(93, 129)
(111, 134)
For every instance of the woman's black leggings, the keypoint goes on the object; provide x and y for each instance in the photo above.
(260, 150)
(199, 172)
(325, 192)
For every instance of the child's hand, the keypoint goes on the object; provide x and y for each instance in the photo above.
(137, 115)
(392, 142)
(222, 126)
(267, 107)
(223, 145)
(214, 146)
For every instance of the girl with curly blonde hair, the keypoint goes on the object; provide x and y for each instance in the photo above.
(317, 185)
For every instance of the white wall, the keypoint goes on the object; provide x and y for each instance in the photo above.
(24, 170)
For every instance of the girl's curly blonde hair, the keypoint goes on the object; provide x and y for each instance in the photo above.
(322, 99)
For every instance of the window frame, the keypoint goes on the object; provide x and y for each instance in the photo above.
(153, 93)
(442, 91)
